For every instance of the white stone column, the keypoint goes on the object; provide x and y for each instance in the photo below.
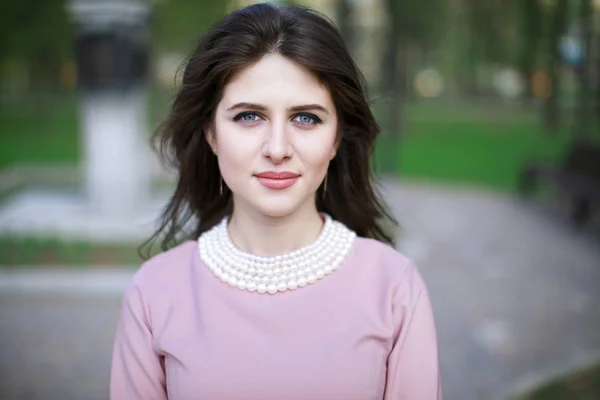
(115, 148)
(111, 48)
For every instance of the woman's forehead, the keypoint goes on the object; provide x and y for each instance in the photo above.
(276, 80)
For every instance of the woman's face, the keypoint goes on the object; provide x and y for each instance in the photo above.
(274, 135)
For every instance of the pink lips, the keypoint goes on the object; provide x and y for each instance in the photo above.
(277, 180)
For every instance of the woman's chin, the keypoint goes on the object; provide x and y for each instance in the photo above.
(278, 208)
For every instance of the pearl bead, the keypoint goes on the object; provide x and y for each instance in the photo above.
(278, 273)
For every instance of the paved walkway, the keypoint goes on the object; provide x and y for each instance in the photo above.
(515, 292)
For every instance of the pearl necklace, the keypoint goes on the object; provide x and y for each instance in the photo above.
(275, 273)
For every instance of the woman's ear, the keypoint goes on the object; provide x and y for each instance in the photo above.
(211, 139)
(336, 146)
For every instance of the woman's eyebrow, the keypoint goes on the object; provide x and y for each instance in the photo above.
(309, 107)
(245, 106)
(254, 106)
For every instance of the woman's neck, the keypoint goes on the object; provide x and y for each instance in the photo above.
(267, 236)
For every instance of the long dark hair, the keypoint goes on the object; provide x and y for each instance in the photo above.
(239, 40)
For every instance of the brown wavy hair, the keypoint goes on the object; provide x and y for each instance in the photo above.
(240, 39)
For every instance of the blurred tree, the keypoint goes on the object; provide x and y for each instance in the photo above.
(598, 79)
(480, 41)
(179, 24)
(411, 24)
(552, 109)
(38, 36)
(393, 75)
(345, 25)
(585, 108)
(489, 36)
(530, 13)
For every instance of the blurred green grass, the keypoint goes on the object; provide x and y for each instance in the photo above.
(582, 385)
(469, 144)
(23, 251)
(35, 133)
(469, 152)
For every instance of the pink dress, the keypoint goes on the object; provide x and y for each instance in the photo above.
(364, 332)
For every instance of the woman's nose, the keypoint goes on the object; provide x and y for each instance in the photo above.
(278, 146)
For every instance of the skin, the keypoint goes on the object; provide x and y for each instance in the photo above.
(274, 116)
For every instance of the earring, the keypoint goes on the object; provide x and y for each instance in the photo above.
(325, 181)
(221, 185)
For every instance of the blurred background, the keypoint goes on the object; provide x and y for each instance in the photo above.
(489, 157)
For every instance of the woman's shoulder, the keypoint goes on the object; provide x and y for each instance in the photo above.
(382, 254)
(165, 267)
(386, 263)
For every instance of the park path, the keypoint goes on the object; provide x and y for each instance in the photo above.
(515, 290)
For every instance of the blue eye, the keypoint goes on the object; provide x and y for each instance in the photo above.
(307, 119)
(247, 116)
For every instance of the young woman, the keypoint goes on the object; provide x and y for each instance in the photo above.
(283, 284)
